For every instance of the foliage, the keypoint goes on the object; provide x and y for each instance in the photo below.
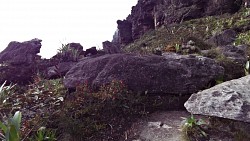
(5, 92)
(44, 134)
(37, 101)
(193, 129)
(12, 128)
(66, 53)
(243, 38)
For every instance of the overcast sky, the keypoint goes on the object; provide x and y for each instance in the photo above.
(88, 22)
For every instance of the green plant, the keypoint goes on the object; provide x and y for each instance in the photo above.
(66, 53)
(193, 129)
(12, 128)
(44, 134)
(5, 91)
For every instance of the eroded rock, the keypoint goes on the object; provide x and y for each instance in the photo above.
(230, 100)
(170, 73)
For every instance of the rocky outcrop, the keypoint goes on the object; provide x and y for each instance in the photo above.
(21, 52)
(19, 61)
(111, 47)
(150, 14)
(227, 37)
(167, 74)
(234, 61)
(59, 70)
(230, 100)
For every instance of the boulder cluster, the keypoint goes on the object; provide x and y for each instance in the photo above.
(167, 73)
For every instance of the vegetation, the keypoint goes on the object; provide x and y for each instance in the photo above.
(66, 53)
(194, 129)
(11, 129)
(87, 114)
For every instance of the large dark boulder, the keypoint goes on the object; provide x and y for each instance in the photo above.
(111, 47)
(21, 52)
(150, 14)
(224, 38)
(59, 70)
(230, 100)
(170, 73)
(19, 61)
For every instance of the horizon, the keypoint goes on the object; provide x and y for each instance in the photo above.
(60, 22)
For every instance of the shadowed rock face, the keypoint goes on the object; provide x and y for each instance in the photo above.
(150, 14)
(170, 73)
(230, 100)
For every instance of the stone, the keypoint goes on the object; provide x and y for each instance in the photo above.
(167, 74)
(90, 52)
(229, 100)
(234, 61)
(124, 32)
(151, 14)
(227, 37)
(19, 61)
(21, 52)
(59, 70)
(111, 47)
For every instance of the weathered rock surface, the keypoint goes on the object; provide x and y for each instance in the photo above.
(21, 53)
(111, 47)
(234, 61)
(227, 37)
(170, 73)
(18, 61)
(150, 14)
(230, 100)
(59, 70)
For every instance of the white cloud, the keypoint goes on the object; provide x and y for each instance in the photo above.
(54, 21)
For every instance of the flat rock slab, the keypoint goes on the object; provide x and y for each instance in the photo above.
(167, 74)
(160, 126)
(229, 100)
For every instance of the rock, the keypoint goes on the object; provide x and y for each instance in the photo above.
(59, 70)
(234, 61)
(229, 100)
(21, 53)
(227, 37)
(19, 61)
(167, 74)
(111, 47)
(76, 46)
(90, 52)
(150, 14)
(124, 32)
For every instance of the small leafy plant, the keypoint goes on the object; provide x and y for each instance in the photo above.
(44, 134)
(5, 91)
(193, 129)
(11, 130)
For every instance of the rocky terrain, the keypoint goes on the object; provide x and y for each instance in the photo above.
(168, 60)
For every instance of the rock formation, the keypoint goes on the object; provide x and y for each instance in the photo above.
(167, 74)
(150, 14)
(18, 61)
(230, 100)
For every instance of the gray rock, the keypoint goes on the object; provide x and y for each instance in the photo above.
(19, 61)
(111, 47)
(170, 73)
(227, 37)
(150, 14)
(21, 53)
(234, 62)
(230, 100)
(59, 70)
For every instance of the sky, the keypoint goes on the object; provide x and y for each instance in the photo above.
(89, 22)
